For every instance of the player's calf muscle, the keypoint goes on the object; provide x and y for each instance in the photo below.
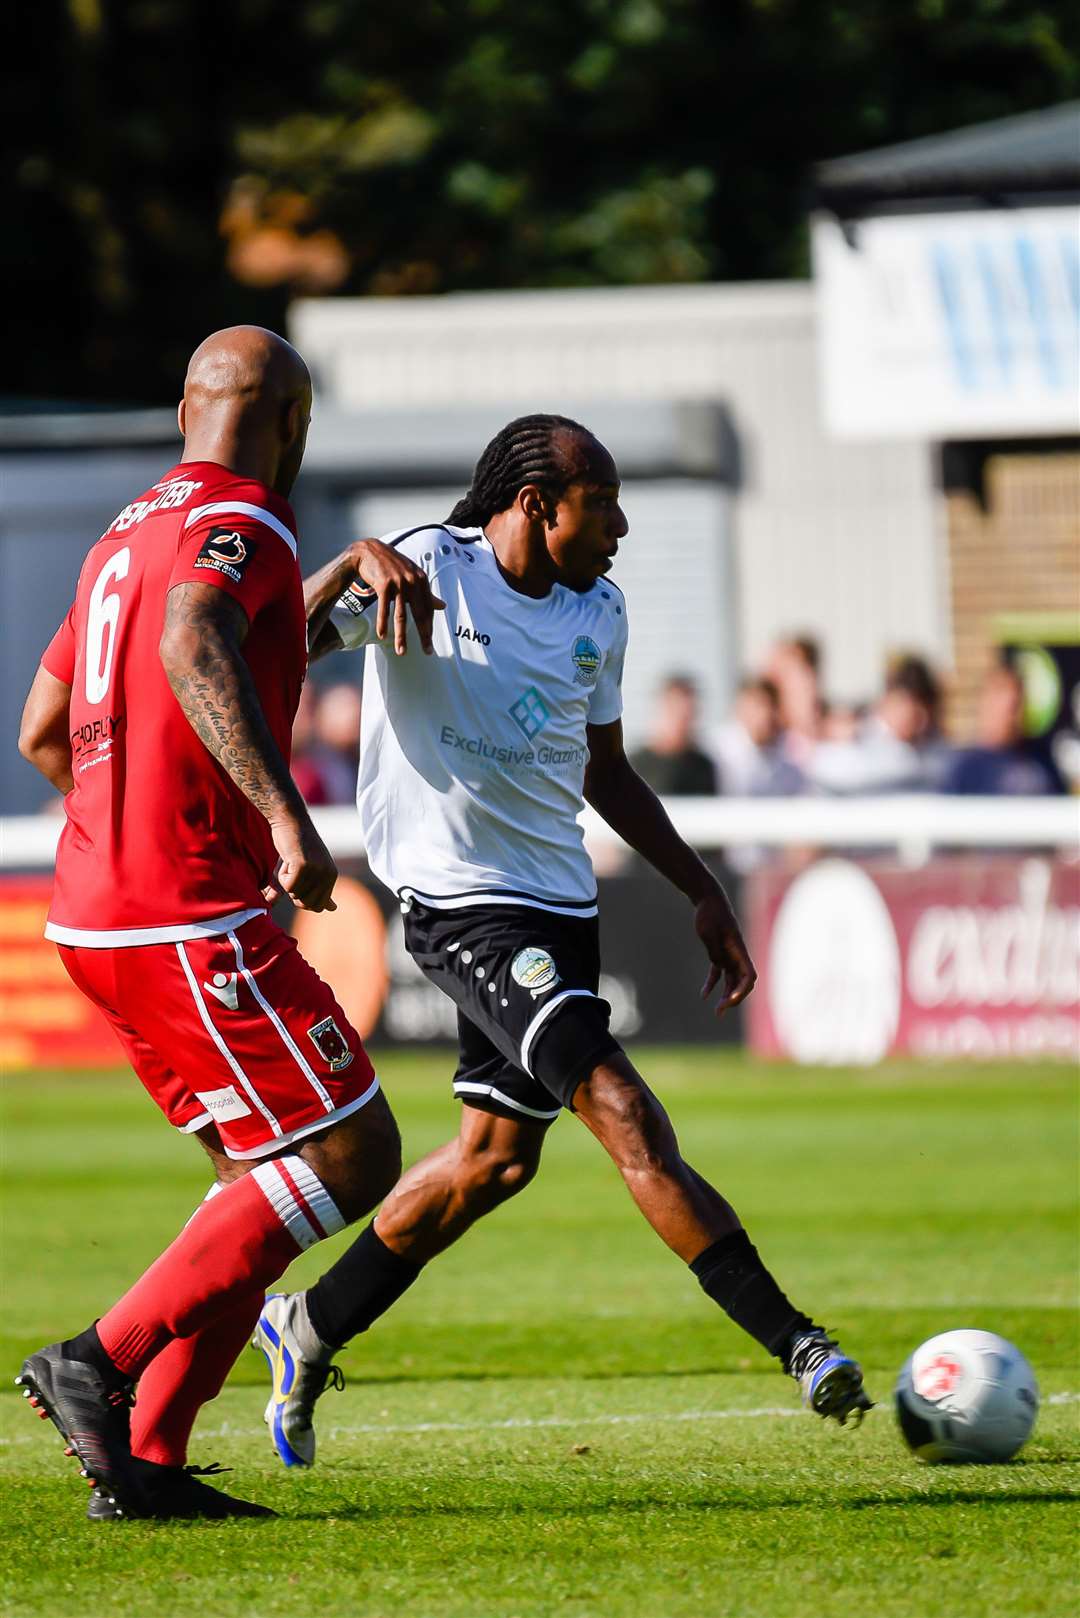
(440, 1197)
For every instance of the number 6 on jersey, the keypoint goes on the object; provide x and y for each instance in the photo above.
(102, 614)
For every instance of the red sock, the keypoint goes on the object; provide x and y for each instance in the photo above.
(188, 1373)
(239, 1242)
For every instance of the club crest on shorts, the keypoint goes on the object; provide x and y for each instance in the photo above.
(331, 1044)
(534, 970)
(586, 659)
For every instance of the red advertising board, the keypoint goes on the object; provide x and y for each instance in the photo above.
(967, 956)
(45, 1022)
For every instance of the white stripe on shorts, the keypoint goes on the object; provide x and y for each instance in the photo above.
(216, 1036)
(314, 1126)
(464, 1087)
(541, 1018)
(286, 1038)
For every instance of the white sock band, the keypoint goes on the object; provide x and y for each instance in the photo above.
(299, 1199)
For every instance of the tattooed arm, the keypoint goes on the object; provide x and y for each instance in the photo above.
(201, 653)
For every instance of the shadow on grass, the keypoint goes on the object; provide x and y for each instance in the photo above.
(700, 1507)
(528, 1373)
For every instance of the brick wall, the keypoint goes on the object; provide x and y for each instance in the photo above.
(1016, 550)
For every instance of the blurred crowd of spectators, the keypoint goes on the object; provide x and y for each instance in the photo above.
(781, 739)
(326, 743)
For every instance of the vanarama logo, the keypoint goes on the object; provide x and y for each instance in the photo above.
(586, 659)
(225, 551)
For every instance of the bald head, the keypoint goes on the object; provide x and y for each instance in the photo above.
(246, 363)
(246, 405)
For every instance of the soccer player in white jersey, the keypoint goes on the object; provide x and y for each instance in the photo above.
(475, 761)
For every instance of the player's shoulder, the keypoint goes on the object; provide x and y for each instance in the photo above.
(223, 496)
(196, 496)
(434, 545)
(606, 603)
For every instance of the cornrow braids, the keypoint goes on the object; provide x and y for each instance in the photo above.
(530, 449)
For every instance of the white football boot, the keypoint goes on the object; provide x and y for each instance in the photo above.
(301, 1369)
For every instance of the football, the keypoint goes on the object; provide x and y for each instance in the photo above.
(966, 1396)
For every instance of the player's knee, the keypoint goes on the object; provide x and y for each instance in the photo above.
(631, 1124)
(359, 1160)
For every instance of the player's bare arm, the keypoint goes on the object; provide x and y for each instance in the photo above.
(401, 587)
(44, 739)
(201, 650)
(631, 808)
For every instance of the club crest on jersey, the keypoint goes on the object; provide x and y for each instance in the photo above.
(226, 551)
(534, 970)
(586, 659)
(331, 1044)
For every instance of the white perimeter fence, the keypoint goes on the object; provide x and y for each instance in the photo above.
(912, 825)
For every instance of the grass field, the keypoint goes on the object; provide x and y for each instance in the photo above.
(554, 1420)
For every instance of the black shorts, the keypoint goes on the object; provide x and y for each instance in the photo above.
(531, 1024)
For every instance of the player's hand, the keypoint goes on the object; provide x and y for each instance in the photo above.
(307, 872)
(401, 587)
(731, 967)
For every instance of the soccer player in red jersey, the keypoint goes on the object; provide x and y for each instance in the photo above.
(162, 710)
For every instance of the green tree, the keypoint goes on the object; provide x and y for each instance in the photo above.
(183, 164)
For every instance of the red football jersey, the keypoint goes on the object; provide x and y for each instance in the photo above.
(159, 843)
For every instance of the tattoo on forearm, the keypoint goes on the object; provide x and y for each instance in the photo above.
(213, 685)
(321, 590)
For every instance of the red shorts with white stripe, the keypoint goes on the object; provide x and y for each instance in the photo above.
(234, 1029)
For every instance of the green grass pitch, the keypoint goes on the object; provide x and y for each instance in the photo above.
(555, 1421)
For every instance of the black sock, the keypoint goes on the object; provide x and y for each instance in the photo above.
(87, 1348)
(733, 1275)
(360, 1287)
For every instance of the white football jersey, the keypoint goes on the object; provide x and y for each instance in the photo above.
(472, 760)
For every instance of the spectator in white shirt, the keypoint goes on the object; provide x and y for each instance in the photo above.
(898, 748)
(750, 757)
(794, 668)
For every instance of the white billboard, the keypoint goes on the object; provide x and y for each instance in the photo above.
(950, 325)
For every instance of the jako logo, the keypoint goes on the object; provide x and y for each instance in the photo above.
(463, 632)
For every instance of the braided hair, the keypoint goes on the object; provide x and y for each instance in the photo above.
(530, 449)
